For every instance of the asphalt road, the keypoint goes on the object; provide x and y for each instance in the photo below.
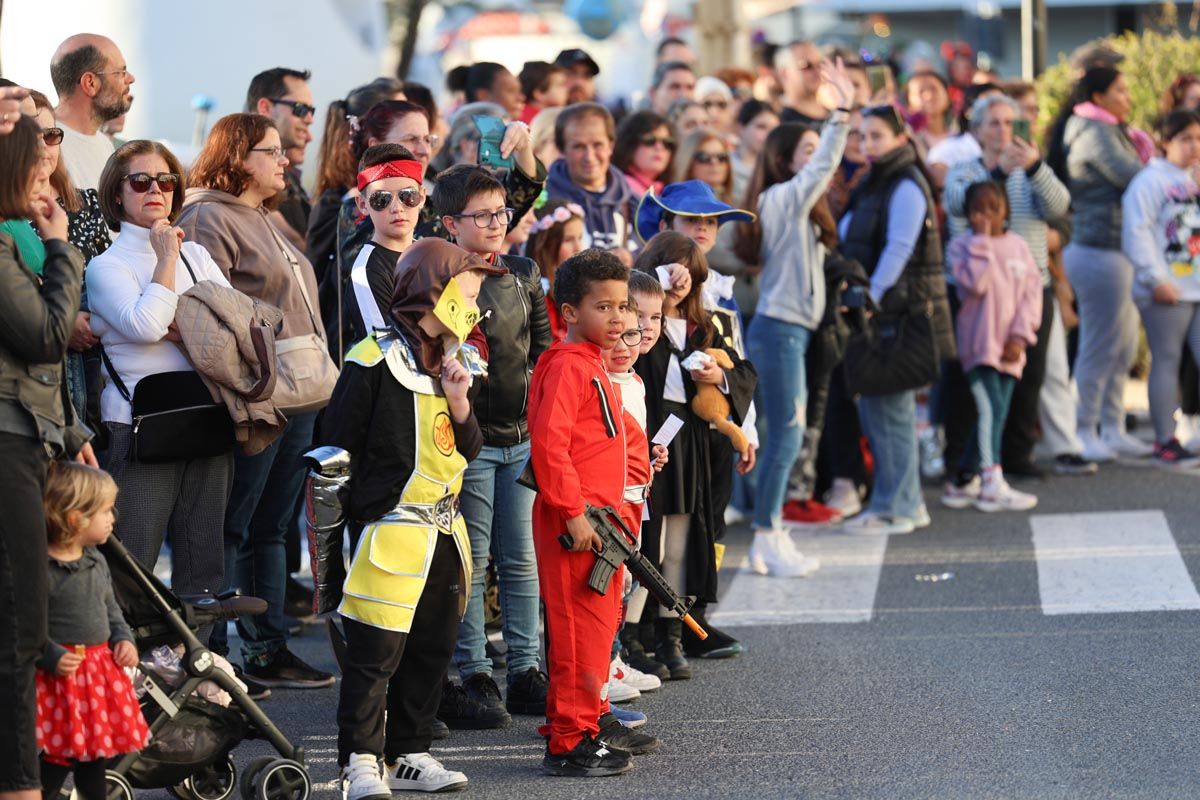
(985, 682)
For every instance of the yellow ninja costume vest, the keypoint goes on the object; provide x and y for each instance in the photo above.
(391, 563)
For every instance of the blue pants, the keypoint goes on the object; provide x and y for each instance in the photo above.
(777, 350)
(499, 514)
(265, 488)
(890, 422)
(993, 393)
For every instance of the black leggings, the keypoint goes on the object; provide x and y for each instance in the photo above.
(89, 779)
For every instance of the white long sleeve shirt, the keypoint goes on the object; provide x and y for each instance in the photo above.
(131, 314)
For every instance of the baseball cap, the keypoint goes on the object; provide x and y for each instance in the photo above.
(569, 58)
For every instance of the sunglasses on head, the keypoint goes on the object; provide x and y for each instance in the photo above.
(708, 158)
(650, 141)
(140, 181)
(52, 136)
(299, 109)
(381, 199)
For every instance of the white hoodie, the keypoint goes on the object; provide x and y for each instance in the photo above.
(1161, 230)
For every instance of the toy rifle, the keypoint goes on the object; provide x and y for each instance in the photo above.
(620, 547)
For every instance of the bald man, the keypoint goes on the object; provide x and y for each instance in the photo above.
(92, 81)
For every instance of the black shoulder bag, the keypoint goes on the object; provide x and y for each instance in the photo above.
(174, 416)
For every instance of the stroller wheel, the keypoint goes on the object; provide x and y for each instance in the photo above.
(283, 779)
(215, 782)
(250, 776)
(116, 787)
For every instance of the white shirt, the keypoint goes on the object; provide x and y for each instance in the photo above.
(85, 156)
(131, 315)
(953, 149)
(675, 329)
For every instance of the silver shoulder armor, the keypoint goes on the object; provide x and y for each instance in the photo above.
(324, 504)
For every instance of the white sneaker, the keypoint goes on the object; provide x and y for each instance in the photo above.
(772, 553)
(620, 671)
(921, 519)
(997, 495)
(844, 496)
(872, 524)
(421, 772)
(1094, 448)
(362, 780)
(734, 516)
(955, 496)
(618, 690)
(1126, 446)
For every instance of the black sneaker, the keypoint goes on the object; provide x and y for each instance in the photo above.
(589, 759)
(527, 692)
(439, 730)
(287, 671)
(1027, 471)
(1074, 464)
(462, 712)
(254, 689)
(612, 732)
(298, 600)
(718, 644)
(482, 689)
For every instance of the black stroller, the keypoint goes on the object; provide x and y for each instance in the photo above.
(191, 738)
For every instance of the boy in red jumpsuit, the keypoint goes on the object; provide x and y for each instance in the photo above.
(577, 428)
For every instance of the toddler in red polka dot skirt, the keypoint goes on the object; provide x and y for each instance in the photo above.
(87, 709)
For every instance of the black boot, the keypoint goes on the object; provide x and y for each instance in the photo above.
(636, 655)
(669, 649)
(718, 644)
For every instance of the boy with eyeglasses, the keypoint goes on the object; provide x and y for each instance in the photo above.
(389, 192)
(513, 332)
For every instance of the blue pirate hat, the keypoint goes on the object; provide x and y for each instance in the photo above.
(689, 199)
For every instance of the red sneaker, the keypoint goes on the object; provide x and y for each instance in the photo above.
(810, 512)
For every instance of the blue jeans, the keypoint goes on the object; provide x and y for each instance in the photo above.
(777, 350)
(265, 488)
(499, 515)
(993, 393)
(890, 422)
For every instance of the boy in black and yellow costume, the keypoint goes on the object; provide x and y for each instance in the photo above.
(401, 412)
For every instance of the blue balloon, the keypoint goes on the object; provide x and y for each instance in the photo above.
(598, 19)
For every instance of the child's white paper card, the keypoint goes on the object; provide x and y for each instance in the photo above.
(669, 430)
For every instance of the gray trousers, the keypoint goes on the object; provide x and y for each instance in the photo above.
(1167, 328)
(185, 499)
(1108, 324)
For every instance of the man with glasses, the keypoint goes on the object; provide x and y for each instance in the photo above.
(284, 95)
(799, 68)
(92, 81)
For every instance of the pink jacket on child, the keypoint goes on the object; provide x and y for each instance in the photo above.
(1001, 292)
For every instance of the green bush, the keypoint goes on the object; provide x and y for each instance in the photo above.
(1152, 60)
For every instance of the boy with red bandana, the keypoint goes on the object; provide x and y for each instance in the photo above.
(579, 458)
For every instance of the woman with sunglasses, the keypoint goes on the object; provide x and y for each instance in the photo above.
(133, 291)
(642, 150)
(891, 229)
(717, 99)
(391, 195)
(704, 156)
(236, 180)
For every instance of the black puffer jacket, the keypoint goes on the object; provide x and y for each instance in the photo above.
(517, 331)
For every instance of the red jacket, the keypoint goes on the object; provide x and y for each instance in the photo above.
(577, 428)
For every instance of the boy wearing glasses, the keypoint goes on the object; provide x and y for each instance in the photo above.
(513, 332)
(391, 194)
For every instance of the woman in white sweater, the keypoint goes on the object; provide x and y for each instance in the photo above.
(133, 289)
(1160, 235)
(791, 249)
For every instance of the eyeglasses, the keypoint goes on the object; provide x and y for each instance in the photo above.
(429, 140)
(484, 219)
(299, 109)
(140, 181)
(52, 136)
(273, 153)
(708, 158)
(122, 72)
(381, 200)
(650, 141)
(632, 337)
(721, 104)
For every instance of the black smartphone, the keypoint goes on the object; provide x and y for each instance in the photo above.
(1021, 129)
(491, 134)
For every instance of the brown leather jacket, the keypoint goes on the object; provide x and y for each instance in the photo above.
(230, 339)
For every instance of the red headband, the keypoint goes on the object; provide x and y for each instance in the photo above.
(391, 169)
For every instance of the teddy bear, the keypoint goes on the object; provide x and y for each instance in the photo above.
(711, 405)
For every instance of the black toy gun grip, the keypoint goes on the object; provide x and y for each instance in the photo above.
(602, 571)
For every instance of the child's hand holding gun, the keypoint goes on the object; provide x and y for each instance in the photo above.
(583, 535)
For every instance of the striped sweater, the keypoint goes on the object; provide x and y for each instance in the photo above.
(1034, 196)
